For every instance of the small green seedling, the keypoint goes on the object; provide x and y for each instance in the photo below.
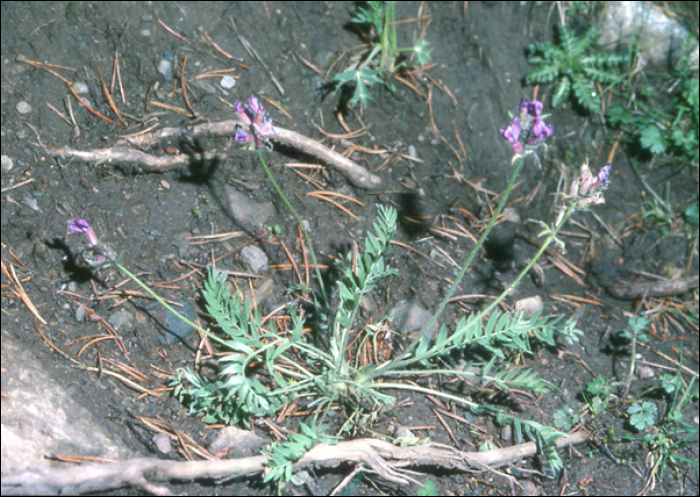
(382, 57)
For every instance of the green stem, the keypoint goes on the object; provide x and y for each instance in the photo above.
(552, 236)
(405, 361)
(303, 228)
(168, 306)
(469, 260)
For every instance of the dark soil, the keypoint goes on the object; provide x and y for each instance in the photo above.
(479, 55)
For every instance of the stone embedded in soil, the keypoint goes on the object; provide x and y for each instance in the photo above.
(162, 442)
(23, 107)
(175, 328)
(254, 258)
(121, 319)
(40, 416)
(248, 214)
(530, 305)
(240, 443)
(7, 164)
(410, 317)
(183, 245)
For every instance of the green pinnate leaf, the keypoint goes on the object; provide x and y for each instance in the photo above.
(561, 91)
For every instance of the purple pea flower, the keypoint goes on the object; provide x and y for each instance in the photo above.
(588, 189)
(533, 108)
(82, 226)
(540, 131)
(256, 120)
(602, 180)
(95, 254)
(528, 128)
(512, 135)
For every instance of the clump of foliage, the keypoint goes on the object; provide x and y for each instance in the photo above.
(267, 367)
(575, 66)
(663, 119)
(382, 56)
(663, 127)
(665, 434)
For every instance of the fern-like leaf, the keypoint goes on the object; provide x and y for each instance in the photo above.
(544, 74)
(586, 93)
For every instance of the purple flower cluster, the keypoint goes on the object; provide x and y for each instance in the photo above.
(257, 121)
(528, 128)
(96, 253)
(587, 188)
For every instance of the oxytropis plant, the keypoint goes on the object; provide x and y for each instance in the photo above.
(264, 367)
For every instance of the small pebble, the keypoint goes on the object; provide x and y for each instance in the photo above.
(162, 442)
(80, 314)
(23, 107)
(165, 67)
(227, 82)
(175, 328)
(7, 164)
(80, 87)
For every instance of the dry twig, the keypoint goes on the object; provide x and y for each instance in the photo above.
(122, 151)
(381, 458)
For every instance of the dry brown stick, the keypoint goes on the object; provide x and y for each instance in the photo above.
(383, 458)
(121, 152)
(110, 100)
(183, 84)
(666, 288)
(355, 173)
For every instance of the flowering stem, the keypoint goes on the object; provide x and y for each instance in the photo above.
(303, 228)
(552, 236)
(469, 260)
(166, 305)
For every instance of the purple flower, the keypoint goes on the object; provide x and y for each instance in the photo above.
(540, 131)
(588, 189)
(533, 108)
(242, 136)
(528, 128)
(512, 134)
(96, 253)
(258, 122)
(82, 226)
(602, 180)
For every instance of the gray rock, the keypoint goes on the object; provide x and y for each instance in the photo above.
(175, 328)
(39, 417)
(254, 258)
(241, 443)
(248, 214)
(530, 305)
(183, 246)
(162, 442)
(23, 107)
(410, 317)
(661, 38)
(121, 320)
(7, 164)
(165, 67)
(227, 82)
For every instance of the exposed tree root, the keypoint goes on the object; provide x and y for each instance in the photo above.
(124, 153)
(667, 288)
(378, 457)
